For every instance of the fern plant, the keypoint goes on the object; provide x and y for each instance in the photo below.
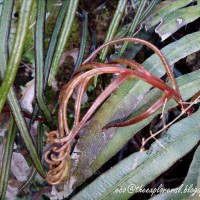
(135, 103)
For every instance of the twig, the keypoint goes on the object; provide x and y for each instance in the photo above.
(166, 126)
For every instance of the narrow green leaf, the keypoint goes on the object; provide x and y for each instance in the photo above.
(159, 11)
(162, 9)
(173, 22)
(30, 179)
(135, 3)
(122, 31)
(1, 6)
(39, 58)
(148, 10)
(141, 168)
(4, 30)
(51, 50)
(62, 41)
(132, 48)
(16, 51)
(120, 105)
(21, 125)
(133, 25)
(54, 39)
(113, 26)
(40, 144)
(83, 40)
(125, 29)
(12, 99)
(191, 181)
(7, 157)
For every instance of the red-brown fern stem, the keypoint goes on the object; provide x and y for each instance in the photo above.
(74, 83)
(101, 98)
(152, 81)
(26, 114)
(55, 175)
(146, 43)
(58, 156)
(80, 93)
(158, 104)
(155, 49)
(104, 95)
(131, 63)
(69, 90)
(135, 66)
(138, 66)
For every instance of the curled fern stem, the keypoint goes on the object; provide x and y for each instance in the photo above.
(58, 157)
(146, 43)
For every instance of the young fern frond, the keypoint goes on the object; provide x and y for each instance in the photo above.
(58, 156)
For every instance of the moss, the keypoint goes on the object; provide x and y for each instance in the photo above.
(101, 18)
(75, 35)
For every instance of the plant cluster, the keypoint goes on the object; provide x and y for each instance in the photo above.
(136, 117)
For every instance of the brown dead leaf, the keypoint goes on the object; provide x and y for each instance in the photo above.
(11, 192)
(73, 53)
(19, 167)
(28, 96)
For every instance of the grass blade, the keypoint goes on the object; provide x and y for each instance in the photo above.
(113, 26)
(51, 50)
(62, 41)
(12, 99)
(39, 58)
(21, 125)
(132, 49)
(83, 40)
(17, 50)
(7, 157)
(54, 39)
(39, 151)
(148, 10)
(5, 24)
(133, 25)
